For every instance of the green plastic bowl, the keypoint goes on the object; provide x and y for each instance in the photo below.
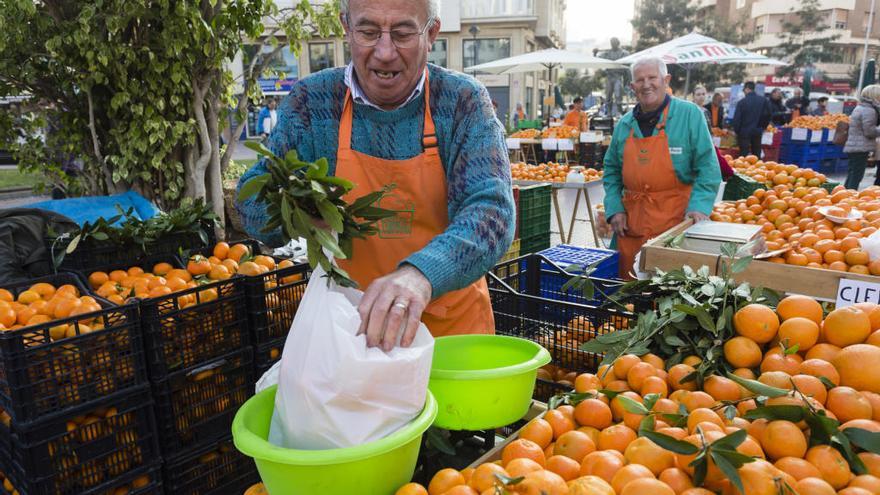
(484, 381)
(379, 467)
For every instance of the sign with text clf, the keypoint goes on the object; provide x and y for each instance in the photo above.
(851, 292)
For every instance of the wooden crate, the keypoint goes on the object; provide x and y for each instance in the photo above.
(815, 282)
(537, 409)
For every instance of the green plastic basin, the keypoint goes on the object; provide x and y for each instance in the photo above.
(484, 381)
(379, 467)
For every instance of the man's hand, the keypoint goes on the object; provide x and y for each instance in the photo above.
(618, 224)
(696, 216)
(392, 301)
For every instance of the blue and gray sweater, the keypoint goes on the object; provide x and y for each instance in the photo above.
(472, 148)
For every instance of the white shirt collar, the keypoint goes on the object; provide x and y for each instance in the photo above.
(357, 94)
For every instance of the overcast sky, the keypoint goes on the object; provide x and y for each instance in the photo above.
(599, 20)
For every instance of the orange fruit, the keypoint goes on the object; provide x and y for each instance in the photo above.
(783, 439)
(602, 463)
(638, 373)
(847, 404)
(522, 448)
(593, 412)
(539, 431)
(221, 250)
(811, 387)
(831, 464)
(238, 251)
(97, 279)
(775, 360)
(542, 483)
(647, 453)
(616, 437)
(629, 473)
(574, 444)
(162, 269)
(445, 480)
(118, 275)
(219, 272)
(721, 388)
(522, 466)
(867, 481)
(483, 477)
(411, 489)
(655, 385)
(676, 479)
(846, 326)
(799, 331)
(623, 364)
(249, 268)
(179, 273)
(589, 485)
(198, 265)
(566, 467)
(677, 373)
(584, 382)
(742, 352)
(820, 368)
(823, 350)
(797, 468)
(851, 364)
(757, 322)
(646, 485)
(266, 261)
(814, 486)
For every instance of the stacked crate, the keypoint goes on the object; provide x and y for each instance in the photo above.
(816, 151)
(533, 219)
(77, 410)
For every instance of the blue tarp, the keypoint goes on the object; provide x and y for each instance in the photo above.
(91, 208)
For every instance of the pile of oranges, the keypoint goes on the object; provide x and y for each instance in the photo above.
(42, 303)
(818, 122)
(119, 286)
(791, 219)
(549, 172)
(561, 132)
(593, 446)
(773, 174)
(719, 132)
(526, 134)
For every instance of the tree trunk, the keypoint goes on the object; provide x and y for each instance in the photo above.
(196, 174)
(214, 175)
(112, 186)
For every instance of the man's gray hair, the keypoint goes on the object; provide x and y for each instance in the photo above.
(433, 9)
(652, 61)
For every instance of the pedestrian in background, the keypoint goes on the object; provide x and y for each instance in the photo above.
(798, 104)
(716, 111)
(749, 120)
(700, 100)
(778, 113)
(862, 132)
(821, 107)
(267, 119)
(518, 115)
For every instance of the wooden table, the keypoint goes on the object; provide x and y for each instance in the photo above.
(588, 190)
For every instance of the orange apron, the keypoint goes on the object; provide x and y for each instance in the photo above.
(653, 198)
(421, 204)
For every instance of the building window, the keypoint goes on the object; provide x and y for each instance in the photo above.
(740, 4)
(283, 68)
(528, 107)
(320, 56)
(487, 50)
(346, 52)
(839, 24)
(437, 55)
(759, 29)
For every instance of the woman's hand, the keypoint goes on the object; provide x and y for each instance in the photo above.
(618, 224)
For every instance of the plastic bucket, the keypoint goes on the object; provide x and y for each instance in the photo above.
(484, 381)
(379, 467)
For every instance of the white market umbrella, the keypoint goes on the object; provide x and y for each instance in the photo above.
(695, 48)
(552, 58)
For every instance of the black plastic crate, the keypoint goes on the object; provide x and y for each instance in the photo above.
(559, 326)
(216, 469)
(96, 447)
(266, 355)
(272, 298)
(196, 406)
(194, 326)
(43, 377)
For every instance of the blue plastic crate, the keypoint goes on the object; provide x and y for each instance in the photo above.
(565, 255)
(786, 137)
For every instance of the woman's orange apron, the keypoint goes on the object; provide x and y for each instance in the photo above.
(421, 204)
(654, 199)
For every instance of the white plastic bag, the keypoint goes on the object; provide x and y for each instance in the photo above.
(334, 391)
(871, 245)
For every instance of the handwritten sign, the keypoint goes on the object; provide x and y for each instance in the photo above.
(816, 137)
(831, 134)
(799, 134)
(513, 143)
(716, 141)
(550, 144)
(767, 138)
(565, 145)
(591, 137)
(850, 292)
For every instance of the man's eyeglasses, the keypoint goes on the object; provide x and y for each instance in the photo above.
(401, 38)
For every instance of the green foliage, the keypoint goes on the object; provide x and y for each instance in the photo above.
(804, 39)
(128, 231)
(127, 86)
(304, 201)
(693, 316)
(662, 20)
(576, 83)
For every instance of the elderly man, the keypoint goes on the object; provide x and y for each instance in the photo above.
(660, 167)
(389, 117)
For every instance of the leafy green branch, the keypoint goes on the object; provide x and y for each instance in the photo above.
(303, 200)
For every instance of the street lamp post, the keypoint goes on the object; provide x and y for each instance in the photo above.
(474, 30)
